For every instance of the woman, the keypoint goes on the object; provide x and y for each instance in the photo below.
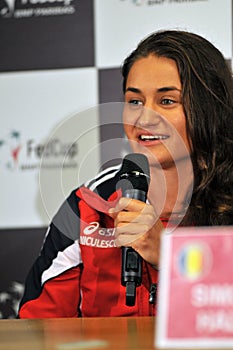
(176, 73)
(179, 98)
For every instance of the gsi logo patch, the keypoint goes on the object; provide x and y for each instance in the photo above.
(99, 237)
(91, 228)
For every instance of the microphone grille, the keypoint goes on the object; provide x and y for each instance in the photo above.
(135, 162)
(135, 172)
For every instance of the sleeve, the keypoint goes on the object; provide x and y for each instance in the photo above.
(59, 297)
(52, 285)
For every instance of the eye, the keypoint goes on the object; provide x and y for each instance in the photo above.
(168, 101)
(135, 102)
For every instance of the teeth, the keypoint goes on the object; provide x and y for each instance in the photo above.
(152, 137)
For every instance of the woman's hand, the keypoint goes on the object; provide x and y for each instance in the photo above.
(138, 226)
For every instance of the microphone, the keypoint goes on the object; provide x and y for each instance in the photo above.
(134, 183)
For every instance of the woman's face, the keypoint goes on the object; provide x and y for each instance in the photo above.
(154, 119)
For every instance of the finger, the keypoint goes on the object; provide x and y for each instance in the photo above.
(122, 204)
(126, 217)
(131, 228)
(131, 204)
(127, 204)
(126, 239)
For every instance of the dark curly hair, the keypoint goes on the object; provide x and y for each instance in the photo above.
(207, 96)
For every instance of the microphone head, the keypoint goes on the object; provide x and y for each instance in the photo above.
(135, 172)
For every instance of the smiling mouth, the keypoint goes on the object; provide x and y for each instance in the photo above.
(152, 137)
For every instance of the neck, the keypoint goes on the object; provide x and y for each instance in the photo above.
(170, 189)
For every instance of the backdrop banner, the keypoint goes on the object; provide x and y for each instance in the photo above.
(59, 59)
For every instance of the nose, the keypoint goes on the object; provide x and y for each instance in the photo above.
(148, 117)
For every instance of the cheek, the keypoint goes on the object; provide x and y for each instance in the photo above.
(130, 136)
(131, 114)
(128, 130)
(180, 127)
(183, 132)
(179, 123)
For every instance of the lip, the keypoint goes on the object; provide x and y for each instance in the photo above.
(147, 138)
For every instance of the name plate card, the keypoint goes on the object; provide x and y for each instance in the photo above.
(195, 294)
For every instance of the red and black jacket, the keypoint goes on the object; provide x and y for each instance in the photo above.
(78, 271)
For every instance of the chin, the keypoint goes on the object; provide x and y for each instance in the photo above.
(152, 159)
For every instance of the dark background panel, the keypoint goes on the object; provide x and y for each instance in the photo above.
(48, 42)
(111, 99)
(110, 85)
(19, 248)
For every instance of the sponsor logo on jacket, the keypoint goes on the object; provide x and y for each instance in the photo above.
(94, 235)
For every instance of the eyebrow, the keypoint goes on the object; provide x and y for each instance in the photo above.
(162, 89)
